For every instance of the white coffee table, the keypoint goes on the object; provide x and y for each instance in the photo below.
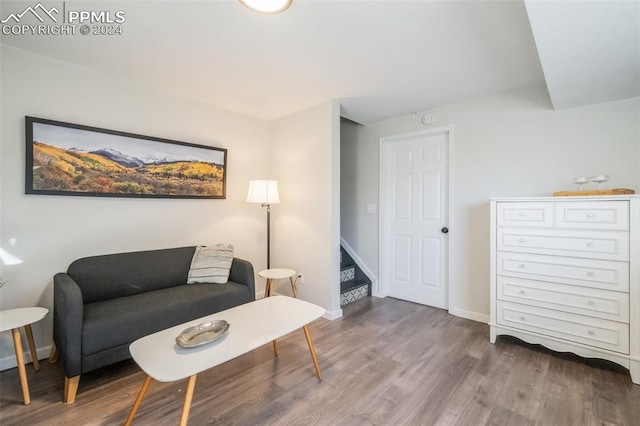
(251, 326)
(13, 319)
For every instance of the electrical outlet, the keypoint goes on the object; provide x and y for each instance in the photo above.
(300, 278)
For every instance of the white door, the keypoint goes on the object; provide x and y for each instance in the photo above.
(414, 221)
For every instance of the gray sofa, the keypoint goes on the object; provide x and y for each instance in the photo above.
(104, 303)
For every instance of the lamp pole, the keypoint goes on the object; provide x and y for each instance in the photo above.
(268, 206)
(265, 193)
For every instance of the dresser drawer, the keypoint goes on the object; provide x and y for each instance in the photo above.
(593, 215)
(611, 305)
(610, 245)
(596, 332)
(525, 214)
(602, 274)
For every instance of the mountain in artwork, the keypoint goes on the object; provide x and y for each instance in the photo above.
(111, 171)
(118, 157)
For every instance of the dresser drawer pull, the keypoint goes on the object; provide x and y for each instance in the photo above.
(590, 274)
(592, 303)
(590, 215)
(521, 292)
(522, 318)
(591, 332)
(522, 214)
(522, 240)
(589, 244)
(522, 266)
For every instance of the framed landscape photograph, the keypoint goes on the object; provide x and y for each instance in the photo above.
(70, 159)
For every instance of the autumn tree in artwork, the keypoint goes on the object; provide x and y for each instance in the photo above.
(58, 169)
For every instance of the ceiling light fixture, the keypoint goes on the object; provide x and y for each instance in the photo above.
(267, 6)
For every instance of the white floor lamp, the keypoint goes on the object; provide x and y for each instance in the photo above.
(264, 192)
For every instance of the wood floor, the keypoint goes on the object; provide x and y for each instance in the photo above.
(386, 362)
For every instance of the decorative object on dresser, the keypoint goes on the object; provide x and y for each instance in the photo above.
(565, 273)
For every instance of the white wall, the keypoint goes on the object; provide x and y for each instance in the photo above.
(305, 159)
(511, 144)
(359, 187)
(48, 232)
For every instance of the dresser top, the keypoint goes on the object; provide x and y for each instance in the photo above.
(586, 198)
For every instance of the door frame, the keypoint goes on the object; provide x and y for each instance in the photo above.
(385, 142)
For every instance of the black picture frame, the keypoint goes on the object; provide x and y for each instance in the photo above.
(72, 159)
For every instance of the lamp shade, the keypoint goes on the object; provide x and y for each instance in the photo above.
(263, 192)
(267, 6)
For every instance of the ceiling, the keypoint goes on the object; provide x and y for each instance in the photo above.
(382, 59)
(589, 50)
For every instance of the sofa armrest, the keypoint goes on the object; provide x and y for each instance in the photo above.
(68, 310)
(242, 273)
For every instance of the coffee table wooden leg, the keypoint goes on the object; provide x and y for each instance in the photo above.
(136, 404)
(293, 287)
(32, 347)
(268, 291)
(313, 351)
(188, 397)
(17, 343)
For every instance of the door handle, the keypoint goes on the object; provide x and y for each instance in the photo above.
(445, 230)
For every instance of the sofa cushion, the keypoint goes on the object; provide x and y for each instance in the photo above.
(120, 321)
(124, 274)
(211, 264)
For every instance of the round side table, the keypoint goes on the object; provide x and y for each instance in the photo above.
(278, 274)
(13, 319)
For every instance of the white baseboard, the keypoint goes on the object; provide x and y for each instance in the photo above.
(368, 272)
(474, 316)
(470, 315)
(9, 362)
(332, 315)
(377, 293)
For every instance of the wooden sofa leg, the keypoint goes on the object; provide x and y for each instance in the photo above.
(70, 389)
(53, 356)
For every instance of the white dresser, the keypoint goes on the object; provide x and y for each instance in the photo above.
(565, 274)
